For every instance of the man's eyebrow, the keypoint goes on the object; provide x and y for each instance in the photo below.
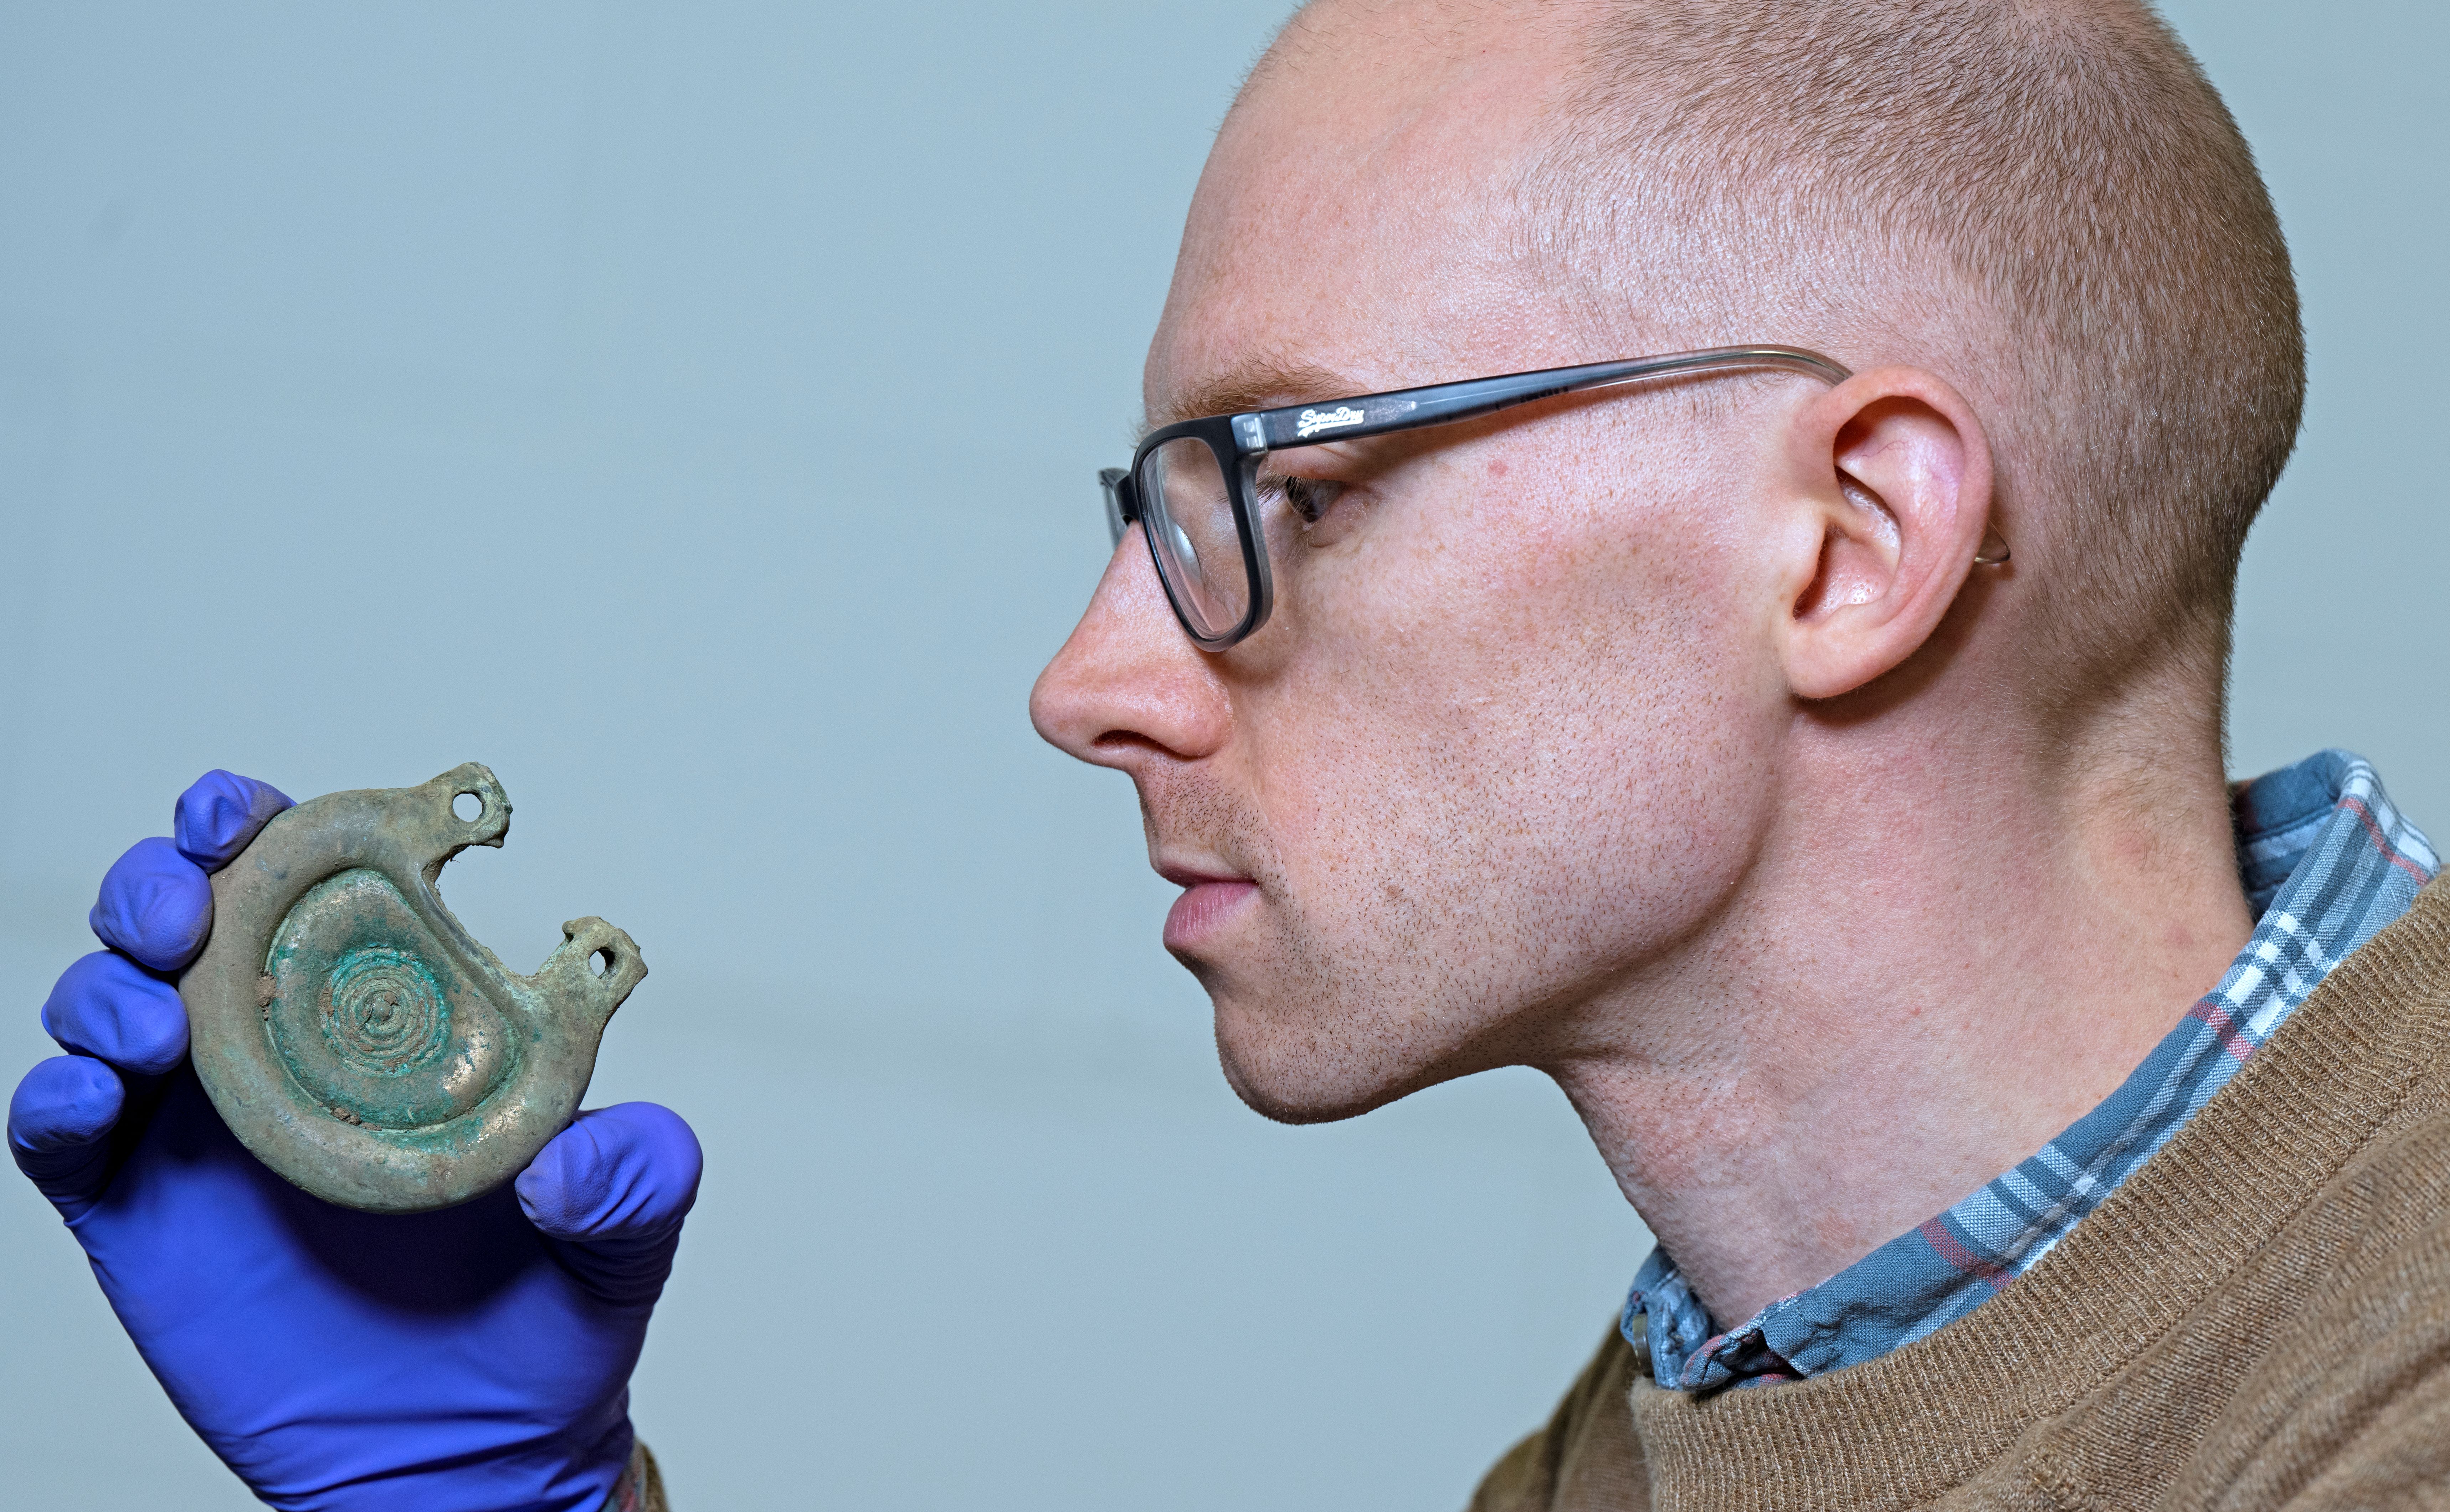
(1255, 384)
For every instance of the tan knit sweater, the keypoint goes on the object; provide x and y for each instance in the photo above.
(2258, 1318)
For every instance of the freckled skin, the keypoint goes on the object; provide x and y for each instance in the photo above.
(1617, 737)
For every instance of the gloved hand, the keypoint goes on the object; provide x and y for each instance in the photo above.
(475, 1358)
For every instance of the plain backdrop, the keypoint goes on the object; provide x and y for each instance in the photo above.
(690, 412)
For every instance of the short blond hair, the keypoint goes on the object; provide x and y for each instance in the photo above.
(2047, 201)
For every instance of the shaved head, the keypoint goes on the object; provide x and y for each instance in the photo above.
(2042, 200)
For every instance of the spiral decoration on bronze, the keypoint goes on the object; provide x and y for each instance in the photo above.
(383, 1012)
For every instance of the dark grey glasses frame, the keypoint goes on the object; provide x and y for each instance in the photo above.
(1241, 441)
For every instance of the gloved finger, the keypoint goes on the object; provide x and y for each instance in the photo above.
(58, 1129)
(155, 905)
(106, 1006)
(219, 813)
(615, 1186)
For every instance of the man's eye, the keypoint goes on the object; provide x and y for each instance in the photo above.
(1311, 498)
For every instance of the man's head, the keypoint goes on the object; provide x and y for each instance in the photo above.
(1548, 698)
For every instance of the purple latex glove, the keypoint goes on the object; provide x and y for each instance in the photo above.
(475, 1358)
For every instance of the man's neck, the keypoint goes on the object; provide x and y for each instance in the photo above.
(1937, 965)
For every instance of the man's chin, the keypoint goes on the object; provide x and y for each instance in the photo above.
(1308, 1083)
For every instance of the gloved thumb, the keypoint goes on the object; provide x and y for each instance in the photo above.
(613, 1189)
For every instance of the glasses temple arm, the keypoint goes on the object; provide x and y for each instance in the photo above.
(1404, 409)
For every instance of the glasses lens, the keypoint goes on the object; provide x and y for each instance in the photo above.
(1190, 520)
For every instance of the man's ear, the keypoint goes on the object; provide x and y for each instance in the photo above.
(1894, 469)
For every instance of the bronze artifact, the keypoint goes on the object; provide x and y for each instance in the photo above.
(353, 1035)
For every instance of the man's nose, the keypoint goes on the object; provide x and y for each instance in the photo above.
(1129, 685)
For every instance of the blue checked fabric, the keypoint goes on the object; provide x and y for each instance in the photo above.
(2327, 863)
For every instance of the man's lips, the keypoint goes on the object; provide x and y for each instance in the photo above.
(1207, 901)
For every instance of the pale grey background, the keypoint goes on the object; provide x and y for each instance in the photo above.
(690, 411)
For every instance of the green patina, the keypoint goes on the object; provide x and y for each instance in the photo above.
(371, 1020)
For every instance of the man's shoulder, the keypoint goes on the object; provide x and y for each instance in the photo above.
(2353, 1098)
(2344, 1390)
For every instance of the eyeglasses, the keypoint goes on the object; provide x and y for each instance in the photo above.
(1193, 486)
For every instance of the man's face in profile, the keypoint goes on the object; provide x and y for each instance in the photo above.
(1506, 735)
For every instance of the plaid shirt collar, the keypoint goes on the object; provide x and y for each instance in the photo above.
(2327, 863)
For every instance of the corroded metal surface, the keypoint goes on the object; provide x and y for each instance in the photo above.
(356, 1038)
